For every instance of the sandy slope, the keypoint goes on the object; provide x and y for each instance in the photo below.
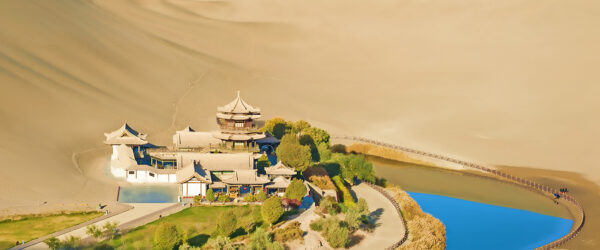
(502, 82)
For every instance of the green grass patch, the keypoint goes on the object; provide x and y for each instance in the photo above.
(30, 227)
(197, 222)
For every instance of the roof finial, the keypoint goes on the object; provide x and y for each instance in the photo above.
(238, 94)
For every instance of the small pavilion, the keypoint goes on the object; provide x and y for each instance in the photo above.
(280, 170)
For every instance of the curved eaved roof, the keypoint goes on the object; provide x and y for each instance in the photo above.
(280, 169)
(125, 135)
(239, 106)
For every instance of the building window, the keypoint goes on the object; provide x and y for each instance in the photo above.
(239, 124)
(151, 174)
(131, 172)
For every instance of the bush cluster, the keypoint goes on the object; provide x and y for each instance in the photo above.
(291, 232)
(333, 230)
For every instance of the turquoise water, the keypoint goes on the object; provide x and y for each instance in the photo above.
(149, 194)
(474, 225)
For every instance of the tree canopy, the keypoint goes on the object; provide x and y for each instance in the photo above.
(291, 153)
(355, 166)
(226, 224)
(210, 195)
(277, 127)
(272, 210)
(261, 240)
(262, 163)
(296, 190)
(167, 236)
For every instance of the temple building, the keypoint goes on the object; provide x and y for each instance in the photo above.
(236, 121)
(224, 161)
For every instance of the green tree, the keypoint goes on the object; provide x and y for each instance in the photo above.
(53, 243)
(94, 231)
(337, 236)
(262, 163)
(276, 127)
(291, 153)
(324, 152)
(272, 210)
(338, 148)
(296, 190)
(220, 243)
(353, 218)
(306, 140)
(226, 224)
(363, 206)
(167, 236)
(299, 126)
(261, 196)
(318, 135)
(355, 166)
(110, 229)
(328, 205)
(210, 195)
(71, 242)
(261, 240)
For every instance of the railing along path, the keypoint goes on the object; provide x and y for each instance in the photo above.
(507, 177)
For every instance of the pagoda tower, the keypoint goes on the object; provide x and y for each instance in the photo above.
(236, 121)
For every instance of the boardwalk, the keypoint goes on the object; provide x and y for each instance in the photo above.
(140, 214)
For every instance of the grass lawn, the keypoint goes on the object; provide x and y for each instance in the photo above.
(31, 227)
(198, 222)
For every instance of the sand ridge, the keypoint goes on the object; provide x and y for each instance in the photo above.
(507, 83)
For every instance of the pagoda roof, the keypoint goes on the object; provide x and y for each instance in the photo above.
(246, 177)
(239, 106)
(125, 135)
(237, 117)
(280, 169)
(238, 137)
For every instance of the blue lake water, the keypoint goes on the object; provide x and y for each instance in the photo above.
(474, 225)
(149, 194)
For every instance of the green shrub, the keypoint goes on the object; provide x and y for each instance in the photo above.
(337, 236)
(291, 232)
(226, 224)
(316, 225)
(272, 210)
(224, 198)
(363, 207)
(324, 152)
(261, 196)
(167, 236)
(296, 190)
(249, 198)
(261, 240)
(347, 198)
(210, 195)
(353, 218)
(328, 205)
(219, 243)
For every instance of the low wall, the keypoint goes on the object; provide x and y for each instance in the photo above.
(579, 217)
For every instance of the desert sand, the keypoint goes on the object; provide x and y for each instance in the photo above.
(499, 82)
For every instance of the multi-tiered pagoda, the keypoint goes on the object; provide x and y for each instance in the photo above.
(236, 121)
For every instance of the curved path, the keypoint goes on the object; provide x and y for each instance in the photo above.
(578, 214)
(389, 225)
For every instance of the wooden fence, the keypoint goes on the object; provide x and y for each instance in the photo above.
(503, 176)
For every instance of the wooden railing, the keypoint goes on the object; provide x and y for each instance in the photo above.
(387, 195)
(502, 176)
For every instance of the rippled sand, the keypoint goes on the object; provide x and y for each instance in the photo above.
(499, 82)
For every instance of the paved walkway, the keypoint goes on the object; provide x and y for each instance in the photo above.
(390, 227)
(312, 239)
(140, 214)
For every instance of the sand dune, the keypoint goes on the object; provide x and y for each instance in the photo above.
(500, 82)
